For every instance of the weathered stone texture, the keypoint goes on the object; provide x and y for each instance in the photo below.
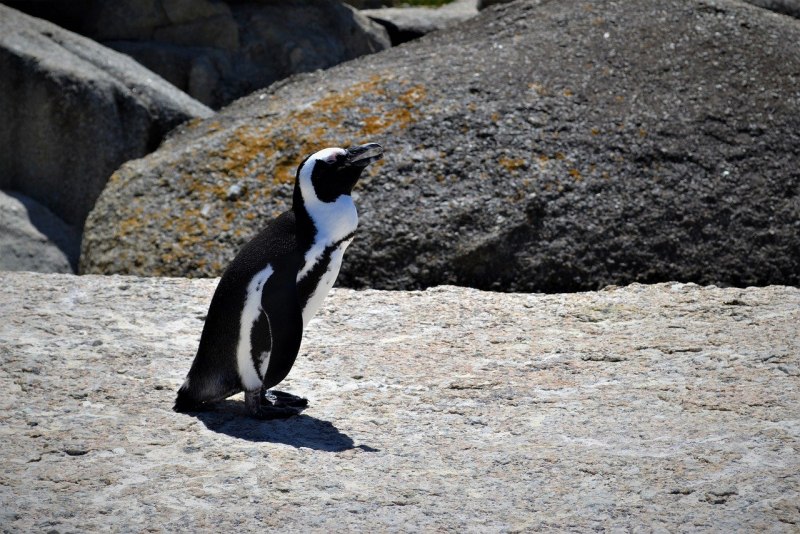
(539, 146)
(671, 407)
(72, 111)
(32, 238)
(219, 51)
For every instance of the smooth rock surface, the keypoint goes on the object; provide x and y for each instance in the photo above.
(32, 238)
(219, 51)
(559, 146)
(72, 111)
(669, 407)
(408, 23)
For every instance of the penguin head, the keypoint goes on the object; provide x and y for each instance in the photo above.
(332, 172)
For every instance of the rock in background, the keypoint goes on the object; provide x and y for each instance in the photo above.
(786, 7)
(219, 51)
(672, 406)
(408, 23)
(553, 147)
(72, 111)
(32, 238)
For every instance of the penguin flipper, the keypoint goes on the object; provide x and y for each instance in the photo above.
(281, 304)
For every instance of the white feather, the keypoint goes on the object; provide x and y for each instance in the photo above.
(325, 283)
(333, 221)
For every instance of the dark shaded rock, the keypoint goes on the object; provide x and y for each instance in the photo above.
(564, 146)
(369, 4)
(219, 51)
(72, 111)
(786, 7)
(32, 238)
(483, 4)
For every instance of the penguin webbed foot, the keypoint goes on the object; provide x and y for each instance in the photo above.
(273, 404)
(281, 398)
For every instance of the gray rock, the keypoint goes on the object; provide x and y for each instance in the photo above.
(445, 410)
(32, 238)
(408, 23)
(73, 111)
(786, 7)
(643, 141)
(217, 51)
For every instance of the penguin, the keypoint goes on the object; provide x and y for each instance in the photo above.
(274, 286)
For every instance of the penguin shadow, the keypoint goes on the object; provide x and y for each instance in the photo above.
(232, 419)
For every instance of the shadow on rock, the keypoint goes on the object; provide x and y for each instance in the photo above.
(231, 418)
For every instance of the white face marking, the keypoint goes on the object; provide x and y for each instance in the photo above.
(334, 220)
(328, 154)
(325, 284)
(252, 309)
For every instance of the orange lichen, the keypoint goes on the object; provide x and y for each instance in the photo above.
(539, 88)
(265, 151)
(512, 164)
(318, 125)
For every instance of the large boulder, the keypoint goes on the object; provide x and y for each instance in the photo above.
(72, 111)
(219, 51)
(561, 146)
(671, 406)
(32, 238)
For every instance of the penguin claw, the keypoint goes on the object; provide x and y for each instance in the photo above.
(273, 404)
(281, 398)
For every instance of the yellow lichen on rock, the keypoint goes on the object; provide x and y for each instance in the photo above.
(260, 158)
(322, 123)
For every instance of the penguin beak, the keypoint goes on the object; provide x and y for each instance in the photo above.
(361, 156)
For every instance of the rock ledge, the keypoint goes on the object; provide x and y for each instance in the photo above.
(671, 405)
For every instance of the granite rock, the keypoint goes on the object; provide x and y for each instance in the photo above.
(72, 111)
(32, 238)
(670, 407)
(408, 23)
(219, 51)
(785, 7)
(539, 146)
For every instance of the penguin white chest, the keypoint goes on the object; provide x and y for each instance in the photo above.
(326, 281)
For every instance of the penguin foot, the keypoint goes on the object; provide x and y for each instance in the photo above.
(273, 404)
(281, 398)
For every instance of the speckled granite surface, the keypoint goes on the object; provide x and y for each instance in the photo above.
(670, 407)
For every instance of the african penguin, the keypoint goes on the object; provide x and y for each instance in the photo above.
(273, 287)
